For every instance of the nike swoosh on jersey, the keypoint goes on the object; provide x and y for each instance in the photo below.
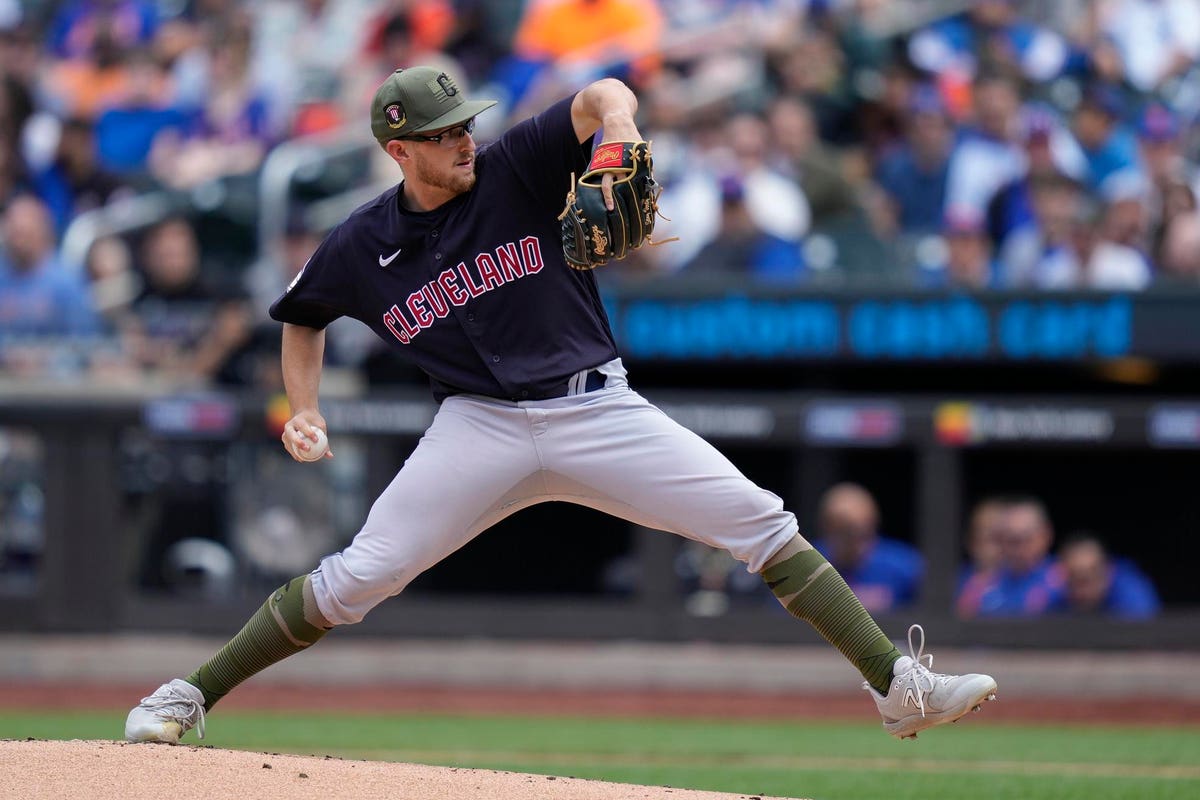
(383, 262)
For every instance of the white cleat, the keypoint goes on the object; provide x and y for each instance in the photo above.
(173, 710)
(919, 698)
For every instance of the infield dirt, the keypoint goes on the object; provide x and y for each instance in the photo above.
(101, 770)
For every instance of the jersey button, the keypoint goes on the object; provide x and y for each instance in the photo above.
(471, 317)
(496, 359)
(434, 234)
(437, 256)
(524, 393)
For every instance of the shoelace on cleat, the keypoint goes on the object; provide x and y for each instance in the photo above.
(921, 670)
(191, 713)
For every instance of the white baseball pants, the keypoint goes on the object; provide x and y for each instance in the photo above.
(483, 459)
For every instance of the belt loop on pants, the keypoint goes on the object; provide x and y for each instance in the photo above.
(582, 382)
(585, 381)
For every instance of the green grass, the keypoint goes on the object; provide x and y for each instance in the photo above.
(827, 761)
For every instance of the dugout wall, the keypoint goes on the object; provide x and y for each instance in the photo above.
(1121, 466)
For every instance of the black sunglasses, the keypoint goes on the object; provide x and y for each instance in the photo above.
(449, 135)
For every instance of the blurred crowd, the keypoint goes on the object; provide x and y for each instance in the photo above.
(982, 144)
(918, 143)
(1012, 570)
(1012, 567)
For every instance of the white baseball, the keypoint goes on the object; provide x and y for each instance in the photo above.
(315, 449)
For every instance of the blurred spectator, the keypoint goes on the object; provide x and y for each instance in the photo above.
(1042, 254)
(1154, 39)
(968, 263)
(802, 156)
(184, 329)
(988, 155)
(884, 573)
(884, 120)
(1125, 196)
(775, 204)
(984, 553)
(75, 182)
(405, 32)
(114, 282)
(812, 66)
(1108, 145)
(741, 247)
(1107, 263)
(913, 176)
(38, 295)
(113, 285)
(128, 126)
(1026, 582)
(1112, 234)
(1049, 149)
(989, 35)
(589, 37)
(1174, 183)
(82, 27)
(95, 78)
(303, 50)
(482, 36)
(179, 48)
(1096, 583)
(232, 132)
(1180, 254)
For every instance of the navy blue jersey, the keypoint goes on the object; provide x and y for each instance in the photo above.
(475, 292)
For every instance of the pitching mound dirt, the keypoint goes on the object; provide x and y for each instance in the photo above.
(37, 770)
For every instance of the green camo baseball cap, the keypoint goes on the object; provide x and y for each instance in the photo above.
(420, 99)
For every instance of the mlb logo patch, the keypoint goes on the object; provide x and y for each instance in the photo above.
(607, 155)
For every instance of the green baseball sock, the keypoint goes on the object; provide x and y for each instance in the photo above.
(812, 590)
(286, 624)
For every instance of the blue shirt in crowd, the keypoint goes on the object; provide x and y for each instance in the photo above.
(1006, 594)
(920, 195)
(46, 301)
(1131, 595)
(888, 577)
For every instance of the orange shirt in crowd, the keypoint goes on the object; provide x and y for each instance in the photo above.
(85, 89)
(589, 29)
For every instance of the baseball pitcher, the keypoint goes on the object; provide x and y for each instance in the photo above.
(477, 267)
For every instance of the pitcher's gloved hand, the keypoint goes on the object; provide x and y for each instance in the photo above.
(591, 233)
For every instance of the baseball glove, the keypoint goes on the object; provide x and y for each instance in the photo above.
(591, 234)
